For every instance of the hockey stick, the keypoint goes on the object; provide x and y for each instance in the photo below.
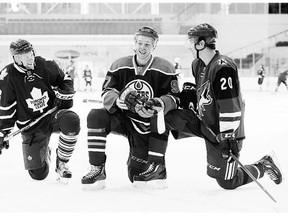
(158, 122)
(252, 177)
(91, 101)
(11, 135)
(236, 159)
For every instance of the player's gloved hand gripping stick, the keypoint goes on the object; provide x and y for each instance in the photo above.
(11, 135)
(231, 154)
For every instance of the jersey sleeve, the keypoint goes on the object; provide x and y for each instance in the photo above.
(110, 92)
(60, 79)
(171, 100)
(226, 90)
(8, 103)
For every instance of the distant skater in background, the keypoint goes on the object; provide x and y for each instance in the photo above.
(178, 70)
(282, 78)
(261, 74)
(177, 65)
(70, 70)
(221, 109)
(87, 75)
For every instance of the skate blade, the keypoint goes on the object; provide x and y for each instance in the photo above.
(62, 180)
(99, 185)
(154, 184)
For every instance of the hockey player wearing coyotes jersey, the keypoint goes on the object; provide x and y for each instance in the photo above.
(220, 108)
(151, 77)
(27, 92)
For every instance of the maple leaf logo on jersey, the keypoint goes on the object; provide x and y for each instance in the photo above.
(39, 101)
(3, 74)
(205, 98)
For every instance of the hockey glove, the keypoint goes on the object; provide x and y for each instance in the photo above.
(155, 104)
(144, 112)
(3, 144)
(228, 144)
(150, 108)
(134, 101)
(188, 98)
(64, 99)
(121, 104)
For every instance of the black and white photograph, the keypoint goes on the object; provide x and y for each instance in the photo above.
(143, 108)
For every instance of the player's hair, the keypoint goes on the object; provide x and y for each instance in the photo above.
(20, 46)
(148, 32)
(204, 32)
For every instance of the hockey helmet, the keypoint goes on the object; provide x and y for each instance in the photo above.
(204, 32)
(20, 46)
(148, 32)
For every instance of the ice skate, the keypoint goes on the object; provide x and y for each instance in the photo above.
(270, 168)
(95, 179)
(153, 178)
(63, 173)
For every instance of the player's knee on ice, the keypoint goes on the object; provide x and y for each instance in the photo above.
(69, 123)
(98, 118)
(39, 174)
(228, 184)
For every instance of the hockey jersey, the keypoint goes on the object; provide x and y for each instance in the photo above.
(219, 97)
(157, 79)
(26, 95)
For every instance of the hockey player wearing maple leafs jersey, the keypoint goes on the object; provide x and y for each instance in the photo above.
(221, 108)
(27, 92)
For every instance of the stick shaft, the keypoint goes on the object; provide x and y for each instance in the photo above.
(91, 101)
(252, 177)
(237, 160)
(11, 135)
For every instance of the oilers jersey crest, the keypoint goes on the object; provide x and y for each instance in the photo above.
(157, 78)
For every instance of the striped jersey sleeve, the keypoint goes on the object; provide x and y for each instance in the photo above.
(227, 93)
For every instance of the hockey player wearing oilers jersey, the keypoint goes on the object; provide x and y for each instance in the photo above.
(31, 86)
(221, 108)
(150, 77)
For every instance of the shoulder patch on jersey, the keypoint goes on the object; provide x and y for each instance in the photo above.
(175, 86)
(3, 73)
(222, 62)
(162, 65)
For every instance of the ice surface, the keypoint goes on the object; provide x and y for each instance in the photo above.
(190, 191)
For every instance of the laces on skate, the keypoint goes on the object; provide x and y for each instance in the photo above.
(63, 173)
(94, 179)
(152, 178)
(271, 167)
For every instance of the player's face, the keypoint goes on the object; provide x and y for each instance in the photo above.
(144, 47)
(27, 60)
(190, 44)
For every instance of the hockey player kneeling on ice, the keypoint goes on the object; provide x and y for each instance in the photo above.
(219, 109)
(129, 85)
(31, 87)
